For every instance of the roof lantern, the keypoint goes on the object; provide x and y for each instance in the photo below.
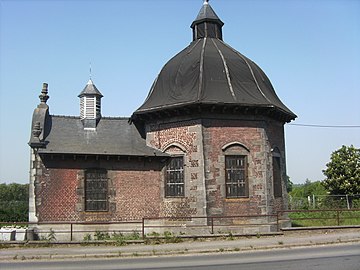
(90, 105)
(207, 23)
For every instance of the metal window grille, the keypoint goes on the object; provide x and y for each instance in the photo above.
(174, 186)
(96, 190)
(236, 177)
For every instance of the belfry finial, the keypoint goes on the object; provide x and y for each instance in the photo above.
(90, 70)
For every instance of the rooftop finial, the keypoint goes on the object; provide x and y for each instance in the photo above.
(90, 70)
(44, 93)
(206, 2)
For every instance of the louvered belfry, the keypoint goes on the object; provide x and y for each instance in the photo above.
(90, 105)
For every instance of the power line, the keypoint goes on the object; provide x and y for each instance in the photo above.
(325, 126)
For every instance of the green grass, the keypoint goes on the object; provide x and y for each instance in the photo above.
(168, 237)
(324, 218)
(120, 238)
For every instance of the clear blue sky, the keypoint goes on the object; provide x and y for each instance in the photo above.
(310, 50)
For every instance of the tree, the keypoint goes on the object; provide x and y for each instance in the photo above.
(14, 202)
(343, 171)
(289, 184)
(299, 196)
(308, 189)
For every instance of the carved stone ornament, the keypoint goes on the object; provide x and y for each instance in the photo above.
(36, 130)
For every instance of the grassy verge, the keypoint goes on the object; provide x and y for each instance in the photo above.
(325, 218)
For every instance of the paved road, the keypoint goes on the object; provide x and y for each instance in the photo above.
(334, 257)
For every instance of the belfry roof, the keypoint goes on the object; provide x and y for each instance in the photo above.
(206, 13)
(90, 89)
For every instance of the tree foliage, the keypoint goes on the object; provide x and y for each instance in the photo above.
(289, 184)
(343, 171)
(14, 206)
(308, 189)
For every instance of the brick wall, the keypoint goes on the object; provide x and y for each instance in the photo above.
(276, 137)
(182, 137)
(204, 143)
(137, 194)
(253, 138)
(133, 188)
(55, 194)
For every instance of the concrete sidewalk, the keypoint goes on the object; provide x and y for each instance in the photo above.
(292, 238)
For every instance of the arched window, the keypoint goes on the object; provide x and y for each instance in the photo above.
(174, 172)
(174, 179)
(236, 170)
(237, 184)
(276, 160)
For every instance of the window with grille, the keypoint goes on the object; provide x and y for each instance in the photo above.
(236, 177)
(96, 190)
(174, 186)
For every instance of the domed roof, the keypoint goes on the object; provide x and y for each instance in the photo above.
(208, 73)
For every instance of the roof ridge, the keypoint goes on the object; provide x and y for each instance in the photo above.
(201, 69)
(226, 70)
(116, 117)
(103, 117)
(64, 116)
(251, 71)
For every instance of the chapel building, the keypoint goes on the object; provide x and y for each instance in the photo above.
(207, 141)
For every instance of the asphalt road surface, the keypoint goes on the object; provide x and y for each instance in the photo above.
(334, 257)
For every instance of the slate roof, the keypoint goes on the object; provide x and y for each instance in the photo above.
(113, 136)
